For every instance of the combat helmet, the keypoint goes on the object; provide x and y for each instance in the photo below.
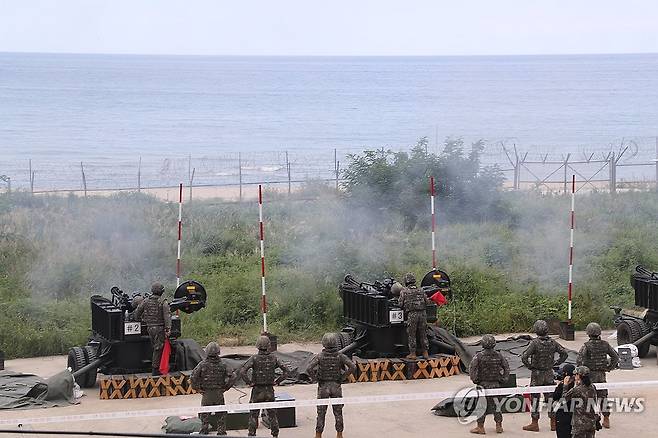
(488, 342)
(396, 288)
(581, 370)
(212, 349)
(263, 343)
(540, 327)
(329, 342)
(593, 330)
(157, 289)
(409, 278)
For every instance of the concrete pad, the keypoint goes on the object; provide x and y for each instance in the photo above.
(406, 419)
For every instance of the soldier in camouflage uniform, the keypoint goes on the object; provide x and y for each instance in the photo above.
(211, 378)
(330, 369)
(414, 302)
(582, 402)
(599, 356)
(263, 366)
(489, 369)
(155, 313)
(539, 358)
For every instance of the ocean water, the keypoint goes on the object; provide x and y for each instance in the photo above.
(108, 111)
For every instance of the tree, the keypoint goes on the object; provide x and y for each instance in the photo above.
(466, 190)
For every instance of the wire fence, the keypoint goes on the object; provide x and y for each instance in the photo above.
(623, 163)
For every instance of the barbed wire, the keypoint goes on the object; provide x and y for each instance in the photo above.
(234, 168)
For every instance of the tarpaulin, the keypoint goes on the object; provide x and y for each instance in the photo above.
(28, 391)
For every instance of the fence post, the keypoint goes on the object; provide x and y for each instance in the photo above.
(29, 175)
(84, 179)
(566, 169)
(336, 166)
(240, 174)
(288, 170)
(189, 167)
(139, 175)
(192, 181)
(656, 164)
(613, 177)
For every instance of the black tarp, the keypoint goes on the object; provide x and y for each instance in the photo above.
(297, 361)
(511, 348)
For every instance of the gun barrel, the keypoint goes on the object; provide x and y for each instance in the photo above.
(350, 348)
(645, 338)
(90, 366)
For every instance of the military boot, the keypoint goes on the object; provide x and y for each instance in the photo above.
(533, 426)
(499, 427)
(606, 422)
(339, 434)
(318, 434)
(553, 424)
(479, 429)
(426, 354)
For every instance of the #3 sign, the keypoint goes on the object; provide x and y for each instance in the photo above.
(132, 328)
(395, 316)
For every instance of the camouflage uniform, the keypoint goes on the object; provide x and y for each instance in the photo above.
(264, 365)
(582, 399)
(539, 358)
(330, 369)
(211, 378)
(489, 369)
(155, 313)
(414, 302)
(599, 356)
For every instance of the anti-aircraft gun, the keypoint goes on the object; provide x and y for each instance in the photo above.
(119, 344)
(640, 326)
(375, 322)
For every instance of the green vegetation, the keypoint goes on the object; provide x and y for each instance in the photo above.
(506, 252)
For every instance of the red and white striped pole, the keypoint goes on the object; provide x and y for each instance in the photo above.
(263, 302)
(433, 222)
(180, 232)
(573, 223)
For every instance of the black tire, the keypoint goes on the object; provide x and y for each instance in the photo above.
(90, 356)
(75, 361)
(344, 339)
(643, 329)
(630, 330)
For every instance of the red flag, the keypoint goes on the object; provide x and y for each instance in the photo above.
(439, 299)
(164, 360)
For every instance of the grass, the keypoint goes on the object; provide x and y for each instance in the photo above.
(55, 252)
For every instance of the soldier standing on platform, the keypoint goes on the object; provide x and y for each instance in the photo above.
(539, 358)
(330, 369)
(155, 313)
(414, 302)
(263, 366)
(599, 356)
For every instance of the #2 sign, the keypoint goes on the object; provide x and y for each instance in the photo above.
(132, 328)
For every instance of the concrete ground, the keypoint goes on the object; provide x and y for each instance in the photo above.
(406, 419)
